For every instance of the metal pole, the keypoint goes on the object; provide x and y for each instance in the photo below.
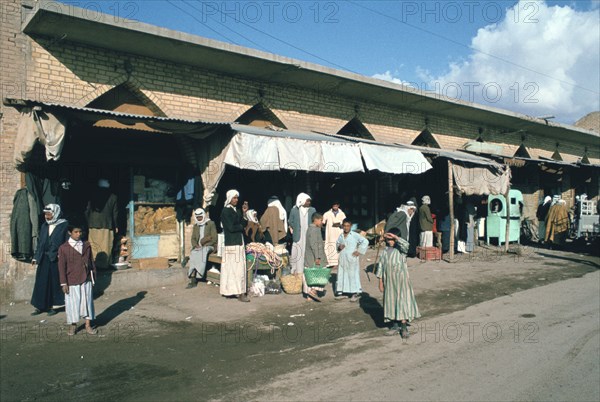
(181, 225)
(507, 234)
(451, 207)
(376, 209)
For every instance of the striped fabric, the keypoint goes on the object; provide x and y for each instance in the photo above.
(398, 297)
(79, 303)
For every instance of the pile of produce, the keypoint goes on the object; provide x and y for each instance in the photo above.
(149, 220)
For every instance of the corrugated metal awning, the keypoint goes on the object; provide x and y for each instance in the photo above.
(83, 114)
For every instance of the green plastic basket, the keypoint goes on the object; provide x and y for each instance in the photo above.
(317, 276)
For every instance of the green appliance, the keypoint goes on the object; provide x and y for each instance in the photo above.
(496, 219)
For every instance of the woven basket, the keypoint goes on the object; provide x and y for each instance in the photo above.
(317, 276)
(292, 284)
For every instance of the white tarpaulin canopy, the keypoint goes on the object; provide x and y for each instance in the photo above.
(258, 152)
(265, 149)
(389, 159)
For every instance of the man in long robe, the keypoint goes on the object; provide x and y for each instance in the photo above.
(233, 280)
(351, 245)
(426, 223)
(204, 242)
(102, 216)
(333, 220)
(47, 292)
(300, 219)
(541, 215)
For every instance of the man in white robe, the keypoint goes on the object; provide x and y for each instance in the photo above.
(333, 220)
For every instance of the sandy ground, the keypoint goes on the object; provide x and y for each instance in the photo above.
(194, 344)
(541, 344)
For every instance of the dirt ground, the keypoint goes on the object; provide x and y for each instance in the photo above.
(194, 344)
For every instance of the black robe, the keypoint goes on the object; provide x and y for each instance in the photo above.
(414, 230)
(233, 226)
(47, 291)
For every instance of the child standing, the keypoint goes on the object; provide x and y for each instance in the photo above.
(350, 245)
(77, 276)
(399, 304)
(314, 255)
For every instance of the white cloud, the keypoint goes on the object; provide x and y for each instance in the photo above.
(559, 48)
(391, 77)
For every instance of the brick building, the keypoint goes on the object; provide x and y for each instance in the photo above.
(60, 54)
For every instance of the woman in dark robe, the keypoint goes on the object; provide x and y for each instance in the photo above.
(47, 292)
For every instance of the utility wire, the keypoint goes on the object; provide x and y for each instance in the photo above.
(468, 47)
(226, 27)
(207, 26)
(290, 44)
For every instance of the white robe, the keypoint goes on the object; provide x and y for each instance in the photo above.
(332, 235)
(233, 271)
(299, 247)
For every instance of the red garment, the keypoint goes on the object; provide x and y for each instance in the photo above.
(75, 268)
(434, 223)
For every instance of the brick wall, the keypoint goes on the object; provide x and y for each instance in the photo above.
(14, 56)
(76, 74)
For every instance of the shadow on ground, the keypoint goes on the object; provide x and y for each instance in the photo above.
(373, 308)
(116, 309)
(570, 259)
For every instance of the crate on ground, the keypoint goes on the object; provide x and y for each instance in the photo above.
(214, 276)
(150, 263)
(429, 253)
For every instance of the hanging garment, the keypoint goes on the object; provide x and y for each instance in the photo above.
(21, 227)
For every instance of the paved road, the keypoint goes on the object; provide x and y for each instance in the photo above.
(539, 344)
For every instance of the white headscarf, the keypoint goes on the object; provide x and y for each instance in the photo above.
(404, 208)
(301, 199)
(200, 217)
(55, 210)
(562, 202)
(229, 196)
(547, 199)
(274, 202)
(103, 183)
(426, 200)
(251, 216)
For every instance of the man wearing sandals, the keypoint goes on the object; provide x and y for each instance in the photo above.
(233, 267)
(77, 271)
(351, 245)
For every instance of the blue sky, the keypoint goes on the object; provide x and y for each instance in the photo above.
(430, 44)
